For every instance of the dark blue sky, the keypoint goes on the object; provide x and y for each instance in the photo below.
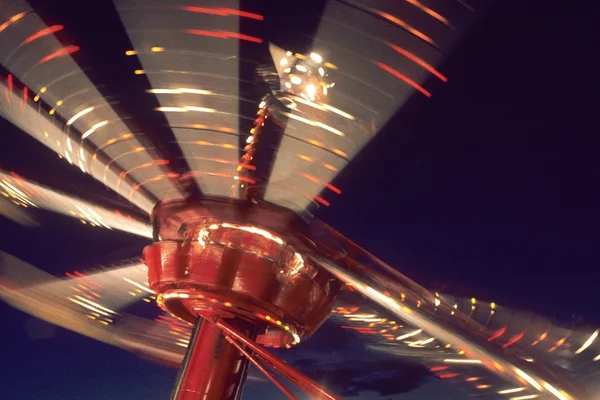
(489, 187)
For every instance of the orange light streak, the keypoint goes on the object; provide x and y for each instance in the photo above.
(323, 146)
(107, 166)
(429, 11)
(112, 141)
(558, 344)
(223, 12)
(11, 21)
(59, 53)
(541, 338)
(223, 35)
(402, 77)
(223, 145)
(418, 61)
(404, 25)
(42, 33)
(123, 174)
(25, 94)
(169, 175)
(218, 174)
(317, 180)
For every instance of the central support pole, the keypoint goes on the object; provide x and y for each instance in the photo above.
(213, 368)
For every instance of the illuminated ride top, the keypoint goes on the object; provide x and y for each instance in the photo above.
(255, 136)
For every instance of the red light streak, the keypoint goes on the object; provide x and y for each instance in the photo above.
(43, 32)
(364, 331)
(9, 81)
(59, 53)
(247, 166)
(497, 334)
(88, 279)
(402, 77)
(223, 35)
(25, 94)
(317, 180)
(333, 188)
(418, 61)
(448, 376)
(514, 339)
(223, 12)
(437, 369)
(322, 201)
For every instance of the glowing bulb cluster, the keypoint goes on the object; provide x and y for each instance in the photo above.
(305, 76)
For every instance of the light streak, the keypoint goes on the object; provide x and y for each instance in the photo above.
(588, 342)
(515, 390)
(413, 333)
(79, 115)
(461, 361)
(93, 129)
(140, 286)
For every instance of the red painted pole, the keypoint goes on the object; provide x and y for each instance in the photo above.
(301, 380)
(213, 369)
(262, 369)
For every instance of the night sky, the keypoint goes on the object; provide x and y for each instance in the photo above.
(488, 189)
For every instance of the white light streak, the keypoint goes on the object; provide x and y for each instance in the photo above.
(140, 286)
(200, 109)
(171, 109)
(557, 393)
(179, 91)
(89, 307)
(360, 315)
(258, 231)
(194, 91)
(529, 379)
(461, 361)
(413, 333)
(515, 390)
(93, 129)
(315, 123)
(79, 115)
(95, 304)
(588, 342)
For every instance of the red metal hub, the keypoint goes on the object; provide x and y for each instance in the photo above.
(236, 264)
